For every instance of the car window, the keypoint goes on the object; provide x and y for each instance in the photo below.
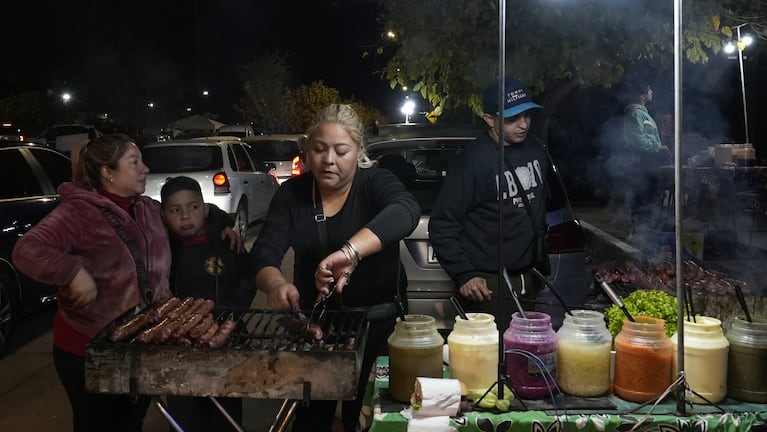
(16, 177)
(71, 130)
(275, 150)
(242, 160)
(179, 159)
(57, 167)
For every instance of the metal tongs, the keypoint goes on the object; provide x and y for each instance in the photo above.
(319, 308)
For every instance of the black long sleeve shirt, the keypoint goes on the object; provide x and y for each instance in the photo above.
(377, 200)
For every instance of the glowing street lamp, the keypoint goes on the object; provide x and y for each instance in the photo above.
(66, 97)
(408, 108)
(740, 44)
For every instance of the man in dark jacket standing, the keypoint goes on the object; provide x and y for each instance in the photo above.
(463, 226)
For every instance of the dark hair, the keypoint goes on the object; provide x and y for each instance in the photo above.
(105, 150)
(177, 184)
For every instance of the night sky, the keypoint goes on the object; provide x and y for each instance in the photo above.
(210, 40)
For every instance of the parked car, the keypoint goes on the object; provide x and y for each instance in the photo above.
(29, 176)
(284, 151)
(426, 162)
(64, 137)
(10, 132)
(228, 175)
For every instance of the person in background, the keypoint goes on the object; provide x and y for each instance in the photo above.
(463, 227)
(204, 266)
(344, 224)
(645, 153)
(77, 249)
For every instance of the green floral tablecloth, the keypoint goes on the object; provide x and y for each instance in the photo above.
(382, 415)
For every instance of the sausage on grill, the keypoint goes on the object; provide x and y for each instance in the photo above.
(222, 334)
(135, 323)
(193, 317)
(197, 331)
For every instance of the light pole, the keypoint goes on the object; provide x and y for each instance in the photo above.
(740, 45)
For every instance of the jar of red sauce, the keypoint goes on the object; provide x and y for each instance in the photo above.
(643, 355)
(530, 344)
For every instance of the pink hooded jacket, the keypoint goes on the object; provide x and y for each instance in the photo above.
(76, 235)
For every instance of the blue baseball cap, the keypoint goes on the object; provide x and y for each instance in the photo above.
(516, 101)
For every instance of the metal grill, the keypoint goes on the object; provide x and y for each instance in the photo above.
(261, 359)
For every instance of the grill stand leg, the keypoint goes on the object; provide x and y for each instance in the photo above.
(226, 414)
(164, 411)
(282, 418)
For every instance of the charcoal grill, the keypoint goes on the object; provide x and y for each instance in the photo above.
(261, 359)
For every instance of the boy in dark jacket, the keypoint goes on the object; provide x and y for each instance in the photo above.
(204, 266)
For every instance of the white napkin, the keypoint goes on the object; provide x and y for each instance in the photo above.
(430, 424)
(439, 397)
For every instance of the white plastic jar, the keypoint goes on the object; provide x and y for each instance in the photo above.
(473, 347)
(583, 354)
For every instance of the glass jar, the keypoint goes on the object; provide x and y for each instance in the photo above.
(415, 350)
(642, 359)
(583, 354)
(705, 359)
(747, 360)
(534, 335)
(473, 351)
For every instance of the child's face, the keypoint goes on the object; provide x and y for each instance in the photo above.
(184, 214)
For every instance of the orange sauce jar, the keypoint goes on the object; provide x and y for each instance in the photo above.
(643, 360)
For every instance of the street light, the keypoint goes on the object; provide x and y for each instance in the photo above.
(66, 97)
(408, 108)
(740, 45)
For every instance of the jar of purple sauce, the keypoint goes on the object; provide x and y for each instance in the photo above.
(533, 334)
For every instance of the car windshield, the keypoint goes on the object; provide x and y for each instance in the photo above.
(178, 159)
(423, 164)
(275, 150)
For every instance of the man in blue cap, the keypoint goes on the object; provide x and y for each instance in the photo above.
(463, 227)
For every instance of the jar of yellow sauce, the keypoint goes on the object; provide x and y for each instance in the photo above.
(705, 359)
(473, 351)
(583, 354)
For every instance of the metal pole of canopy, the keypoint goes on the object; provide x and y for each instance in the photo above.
(680, 297)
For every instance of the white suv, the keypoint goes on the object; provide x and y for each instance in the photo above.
(284, 151)
(229, 177)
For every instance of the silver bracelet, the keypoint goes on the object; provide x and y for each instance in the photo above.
(354, 251)
(348, 254)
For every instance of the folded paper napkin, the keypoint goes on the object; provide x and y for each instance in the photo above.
(430, 424)
(436, 397)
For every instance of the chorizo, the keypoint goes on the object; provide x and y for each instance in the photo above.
(205, 338)
(222, 334)
(193, 317)
(197, 331)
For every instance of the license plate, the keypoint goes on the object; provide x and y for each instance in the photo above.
(431, 257)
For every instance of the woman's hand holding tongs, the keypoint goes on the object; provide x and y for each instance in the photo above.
(336, 269)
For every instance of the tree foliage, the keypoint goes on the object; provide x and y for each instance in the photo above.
(274, 106)
(447, 50)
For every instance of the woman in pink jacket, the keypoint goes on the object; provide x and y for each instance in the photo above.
(77, 248)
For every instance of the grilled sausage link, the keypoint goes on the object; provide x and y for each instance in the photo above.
(159, 313)
(164, 335)
(194, 317)
(197, 331)
(135, 323)
(205, 338)
(222, 334)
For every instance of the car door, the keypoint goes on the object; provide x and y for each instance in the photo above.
(258, 185)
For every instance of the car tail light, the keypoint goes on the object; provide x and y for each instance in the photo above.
(21, 137)
(566, 237)
(296, 168)
(221, 183)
